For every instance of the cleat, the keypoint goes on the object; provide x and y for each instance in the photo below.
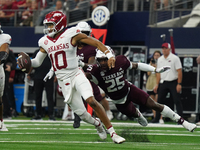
(3, 127)
(117, 139)
(77, 121)
(189, 126)
(141, 120)
(100, 130)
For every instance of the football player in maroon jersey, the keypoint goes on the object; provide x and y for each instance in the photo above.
(124, 93)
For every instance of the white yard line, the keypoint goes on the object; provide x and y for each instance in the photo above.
(165, 134)
(82, 142)
(83, 123)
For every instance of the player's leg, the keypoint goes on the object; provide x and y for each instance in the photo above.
(101, 99)
(2, 84)
(84, 87)
(130, 111)
(167, 112)
(78, 107)
(105, 104)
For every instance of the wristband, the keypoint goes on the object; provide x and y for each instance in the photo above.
(180, 83)
(109, 55)
(106, 51)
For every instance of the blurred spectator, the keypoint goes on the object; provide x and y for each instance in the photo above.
(69, 5)
(7, 13)
(2, 3)
(9, 65)
(27, 15)
(96, 3)
(40, 85)
(198, 118)
(151, 81)
(20, 4)
(58, 6)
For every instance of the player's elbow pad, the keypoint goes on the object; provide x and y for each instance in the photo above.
(145, 67)
(37, 61)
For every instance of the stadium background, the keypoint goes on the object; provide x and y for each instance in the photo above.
(136, 28)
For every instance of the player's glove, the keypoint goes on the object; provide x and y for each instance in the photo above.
(80, 63)
(162, 69)
(49, 75)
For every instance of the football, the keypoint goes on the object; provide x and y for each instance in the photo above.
(24, 62)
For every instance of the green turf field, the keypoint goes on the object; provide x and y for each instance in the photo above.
(60, 135)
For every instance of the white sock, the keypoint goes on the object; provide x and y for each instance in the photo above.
(167, 112)
(89, 119)
(111, 130)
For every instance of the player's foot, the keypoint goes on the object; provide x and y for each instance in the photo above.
(189, 126)
(161, 121)
(141, 119)
(3, 127)
(109, 114)
(37, 118)
(117, 139)
(100, 130)
(77, 121)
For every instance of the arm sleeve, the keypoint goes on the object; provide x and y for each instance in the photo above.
(39, 58)
(145, 67)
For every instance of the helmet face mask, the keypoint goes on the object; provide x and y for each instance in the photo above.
(58, 19)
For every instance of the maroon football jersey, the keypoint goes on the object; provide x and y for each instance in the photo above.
(86, 52)
(113, 81)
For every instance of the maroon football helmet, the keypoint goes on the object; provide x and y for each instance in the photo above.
(58, 19)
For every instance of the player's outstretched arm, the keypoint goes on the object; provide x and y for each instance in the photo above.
(39, 58)
(146, 67)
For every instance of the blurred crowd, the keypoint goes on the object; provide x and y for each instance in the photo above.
(32, 12)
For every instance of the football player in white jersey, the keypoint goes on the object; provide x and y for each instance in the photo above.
(5, 40)
(60, 44)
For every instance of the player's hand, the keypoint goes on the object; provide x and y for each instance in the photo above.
(163, 69)
(49, 75)
(80, 63)
(111, 62)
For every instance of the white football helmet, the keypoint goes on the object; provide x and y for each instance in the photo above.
(100, 54)
(84, 27)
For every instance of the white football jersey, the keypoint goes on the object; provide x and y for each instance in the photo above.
(61, 52)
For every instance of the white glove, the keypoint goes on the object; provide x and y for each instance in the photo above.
(162, 69)
(80, 63)
(49, 75)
